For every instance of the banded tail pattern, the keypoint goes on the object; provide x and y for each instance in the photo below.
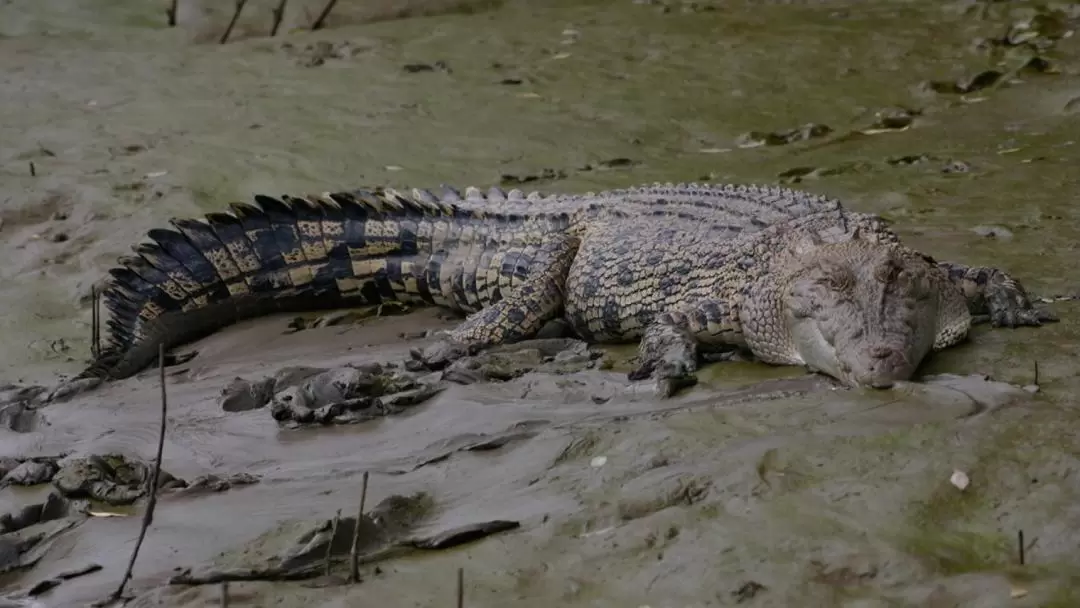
(293, 254)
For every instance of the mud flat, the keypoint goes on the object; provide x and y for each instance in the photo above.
(760, 486)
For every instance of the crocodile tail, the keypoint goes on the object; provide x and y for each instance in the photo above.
(273, 255)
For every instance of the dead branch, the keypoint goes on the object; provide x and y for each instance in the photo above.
(354, 553)
(95, 324)
(319, 22)
(171, 13)
(148, 515)
(232, 22)
(279, 14)
(330, 543)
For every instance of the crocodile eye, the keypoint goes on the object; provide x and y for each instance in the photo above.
(837, 280)
(886, 273)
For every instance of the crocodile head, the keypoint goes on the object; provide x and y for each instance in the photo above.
(864, 312)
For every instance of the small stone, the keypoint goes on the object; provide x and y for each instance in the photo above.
(1031, 388)
(31, 473)
(960, 480)
(598, 462)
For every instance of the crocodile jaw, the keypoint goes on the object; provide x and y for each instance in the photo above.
(875, 362)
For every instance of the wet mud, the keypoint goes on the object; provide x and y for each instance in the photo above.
(540, 470)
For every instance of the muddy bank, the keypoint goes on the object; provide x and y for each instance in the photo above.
(793, 486)
(760, 486)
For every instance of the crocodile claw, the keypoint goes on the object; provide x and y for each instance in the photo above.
(1010, 306)
(671, 376)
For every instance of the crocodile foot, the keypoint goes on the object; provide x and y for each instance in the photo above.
(671, 375)
(1010, 306)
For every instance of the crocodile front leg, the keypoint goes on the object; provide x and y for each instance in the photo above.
(518, 316)
(669, 347)
(992, 295)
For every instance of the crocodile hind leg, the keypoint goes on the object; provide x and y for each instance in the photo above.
(670, 346)
(523, 312)
(992, 295)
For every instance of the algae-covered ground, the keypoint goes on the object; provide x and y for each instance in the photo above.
(956, 120)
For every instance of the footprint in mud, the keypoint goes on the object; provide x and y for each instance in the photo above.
(553, 174)
(386, 532)
(659, 489)
(754, 139)
(16, 410)
(46, 217)
(112, 479)
(345, 395)
(318, 53)
(301, 396)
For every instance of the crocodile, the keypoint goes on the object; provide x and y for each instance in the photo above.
(790, 277)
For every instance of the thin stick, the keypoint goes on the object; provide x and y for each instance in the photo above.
(460, 587)
(148, 515)
(330, 543)
(94, 353)
(97, 330)
(33, 169)
(171, 13)
(1036, 381)
(1020, 543)
(224, 594)
(232, 22)
(279, 14)
(354, 553)
(323, 15)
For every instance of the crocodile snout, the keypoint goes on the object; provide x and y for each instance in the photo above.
(881, 366)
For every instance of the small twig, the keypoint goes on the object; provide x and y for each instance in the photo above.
(1036, 381)
(33, 169)
(171, 13)
(95, 352)
(232, 22)
(148, 515)
(279, 14)
(460, 587)
(330, 543)
(319, 22)
(97, 333)
(1020, 543)
(224, 594)
(354, 552)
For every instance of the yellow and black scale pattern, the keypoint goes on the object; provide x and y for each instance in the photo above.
(295, 254)
(610, 262)
(460, 251)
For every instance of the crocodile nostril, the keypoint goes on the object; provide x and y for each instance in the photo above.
(882, 352)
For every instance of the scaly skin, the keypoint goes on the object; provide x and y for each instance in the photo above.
(789, 276)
